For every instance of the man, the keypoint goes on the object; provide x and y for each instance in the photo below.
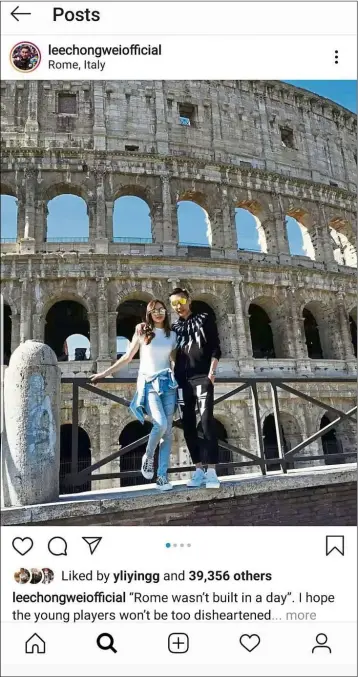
(198, 353)
(23, 61)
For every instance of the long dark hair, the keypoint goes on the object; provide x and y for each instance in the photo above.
(148, 329)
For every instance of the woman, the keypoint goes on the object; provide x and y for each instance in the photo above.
(156, 387)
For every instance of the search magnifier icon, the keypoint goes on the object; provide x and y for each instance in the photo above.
(108, 642)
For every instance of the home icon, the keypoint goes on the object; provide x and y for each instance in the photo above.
(35, 644)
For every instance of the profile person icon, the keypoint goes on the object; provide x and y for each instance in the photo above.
(25, 56)
(321, 640)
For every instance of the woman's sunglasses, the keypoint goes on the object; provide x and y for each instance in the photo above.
(158, 311)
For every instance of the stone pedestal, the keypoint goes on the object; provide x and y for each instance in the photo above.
(101, 245)
(31, 454)
(27, 245)
(102, 365)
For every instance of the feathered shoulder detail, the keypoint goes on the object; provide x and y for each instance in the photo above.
(190, 331)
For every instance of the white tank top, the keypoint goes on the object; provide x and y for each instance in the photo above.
(155, 356)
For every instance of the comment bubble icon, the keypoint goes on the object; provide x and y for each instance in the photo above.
(57, 546)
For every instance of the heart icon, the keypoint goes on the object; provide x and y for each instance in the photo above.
(250, 642)
(22, 545)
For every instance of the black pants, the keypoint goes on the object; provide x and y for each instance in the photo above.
(199, 392)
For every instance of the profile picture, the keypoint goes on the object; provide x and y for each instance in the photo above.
(25, 56)
(47, 576)
(22, 575)
(36, 576)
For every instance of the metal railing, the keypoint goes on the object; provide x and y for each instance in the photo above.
(284, 458)
(255, 251)
(134, 240)
(67, 239)
(5, 240)
(194, 244)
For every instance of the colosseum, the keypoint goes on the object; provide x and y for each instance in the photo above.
(272, 151)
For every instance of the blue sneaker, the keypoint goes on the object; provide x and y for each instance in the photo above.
(211, 479)
(198, 479)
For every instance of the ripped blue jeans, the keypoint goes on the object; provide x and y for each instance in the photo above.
(160, 406)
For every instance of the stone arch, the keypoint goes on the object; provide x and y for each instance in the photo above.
(194, 219)
(133, 190)
(132, 295)
(292, 427)
(132, 460)
(313, 325)
(196, 196)
(65, 295)
(67, 212)
(89, 419)
(342, 225)
(63, 188)
(131, 311)
(353, 328)
(224, 413)
(7, 297)
(342, 239)
(291, 435)
(330, 442)
(132, 216)
(120, 416)
(267, 328)
(64, 318)
(303, 222)
(204, 303)
(257, 232)
(9, 214)
(7, 188)
(84, 456)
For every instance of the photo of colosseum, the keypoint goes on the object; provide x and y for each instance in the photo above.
(265, 172)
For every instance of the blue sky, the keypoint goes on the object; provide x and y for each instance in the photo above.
(67, 214)
(343, 92)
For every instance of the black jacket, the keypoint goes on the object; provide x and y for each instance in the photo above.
(197, 344)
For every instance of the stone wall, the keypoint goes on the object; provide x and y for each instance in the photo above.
(231, 122)
(333, 506)
(318, 498)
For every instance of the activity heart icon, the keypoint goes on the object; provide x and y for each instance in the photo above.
(250, 642)
(22, 545)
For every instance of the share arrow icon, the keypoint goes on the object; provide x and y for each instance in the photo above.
(92, 543)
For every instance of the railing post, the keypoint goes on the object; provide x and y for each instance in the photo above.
(279, 436)
(74, 441)
(259, 439)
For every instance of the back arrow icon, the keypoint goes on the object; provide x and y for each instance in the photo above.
(15, 13)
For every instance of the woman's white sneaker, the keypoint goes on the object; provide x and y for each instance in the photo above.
(147, 468)
(211, 479)
(163, 484)
(198, 479)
